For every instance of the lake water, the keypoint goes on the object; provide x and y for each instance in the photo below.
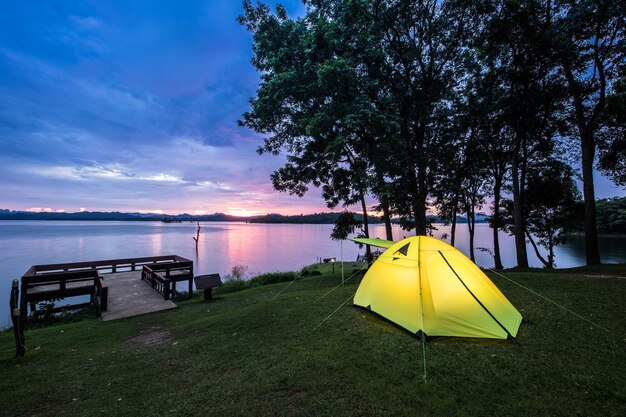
(260, 247)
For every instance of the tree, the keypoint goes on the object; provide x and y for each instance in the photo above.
(311, 102)
(462, 185)
(551, 206)
(423, 44)
(486, 109)
(587, 38)
(515, 52)
(473, 186)
(496, 140)
(612, 215)
(356, 93)
(345, 225)
(552, 197)
(612, 134)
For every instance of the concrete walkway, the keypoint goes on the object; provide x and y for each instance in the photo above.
(130, 296)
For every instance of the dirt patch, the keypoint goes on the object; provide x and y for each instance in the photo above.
(152, 336)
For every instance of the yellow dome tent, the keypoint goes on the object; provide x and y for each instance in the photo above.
(431, 289)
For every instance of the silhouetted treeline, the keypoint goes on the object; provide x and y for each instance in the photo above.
(445, 105)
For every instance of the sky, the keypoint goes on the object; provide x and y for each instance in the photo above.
(132, 106)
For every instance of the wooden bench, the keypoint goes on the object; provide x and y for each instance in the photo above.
(164, 276)
(60, 285)
(207, 283)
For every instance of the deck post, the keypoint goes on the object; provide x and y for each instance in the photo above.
(18, 323)
(104, 299)
(23, 303)
(166, 290)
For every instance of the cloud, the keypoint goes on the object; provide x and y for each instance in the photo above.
(132, 105)
(85, 23)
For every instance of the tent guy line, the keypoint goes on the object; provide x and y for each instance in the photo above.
(336, 310)
(339, 285)
(550, 301)
(286, 286)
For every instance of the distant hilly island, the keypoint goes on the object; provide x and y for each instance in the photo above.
(316, 218)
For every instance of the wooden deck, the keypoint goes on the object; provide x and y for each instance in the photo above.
(130, 296)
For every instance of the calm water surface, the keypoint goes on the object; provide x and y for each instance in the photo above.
(261, 247)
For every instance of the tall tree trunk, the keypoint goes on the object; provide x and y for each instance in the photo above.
(551, 251)
(420, 209)
(453, 228)
(384, 203)
(518, 214)
(422, 193)
(366, 229)
(469, 210)
(545, 263)
(496, 220)
(588, 148)
(420, 214)
(592, 250)
(387, 220)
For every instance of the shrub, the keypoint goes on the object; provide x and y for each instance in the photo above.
(238, 272)
(272, 278)
(233, 284)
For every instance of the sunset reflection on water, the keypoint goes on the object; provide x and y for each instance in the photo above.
(260, 247)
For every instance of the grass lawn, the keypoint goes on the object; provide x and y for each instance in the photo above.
(249, 353)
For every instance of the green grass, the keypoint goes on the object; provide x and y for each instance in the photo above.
(252, 353)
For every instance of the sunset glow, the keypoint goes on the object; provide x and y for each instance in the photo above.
(244, 212)
(102, 114)
(129, 121)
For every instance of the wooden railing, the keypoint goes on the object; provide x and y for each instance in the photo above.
(110, 265)
(164, 276)
(58, 281)
(60, 285)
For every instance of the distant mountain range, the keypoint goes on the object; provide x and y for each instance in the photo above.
(316, 218)
(114, 215)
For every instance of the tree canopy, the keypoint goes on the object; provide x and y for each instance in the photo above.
(423, 104)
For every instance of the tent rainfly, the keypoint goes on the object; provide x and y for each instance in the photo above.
(431, 289)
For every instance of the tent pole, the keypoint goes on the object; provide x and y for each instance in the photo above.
(424, 356)
(419, 276)
(341, 261)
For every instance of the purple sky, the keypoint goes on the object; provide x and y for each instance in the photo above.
(132, 106)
